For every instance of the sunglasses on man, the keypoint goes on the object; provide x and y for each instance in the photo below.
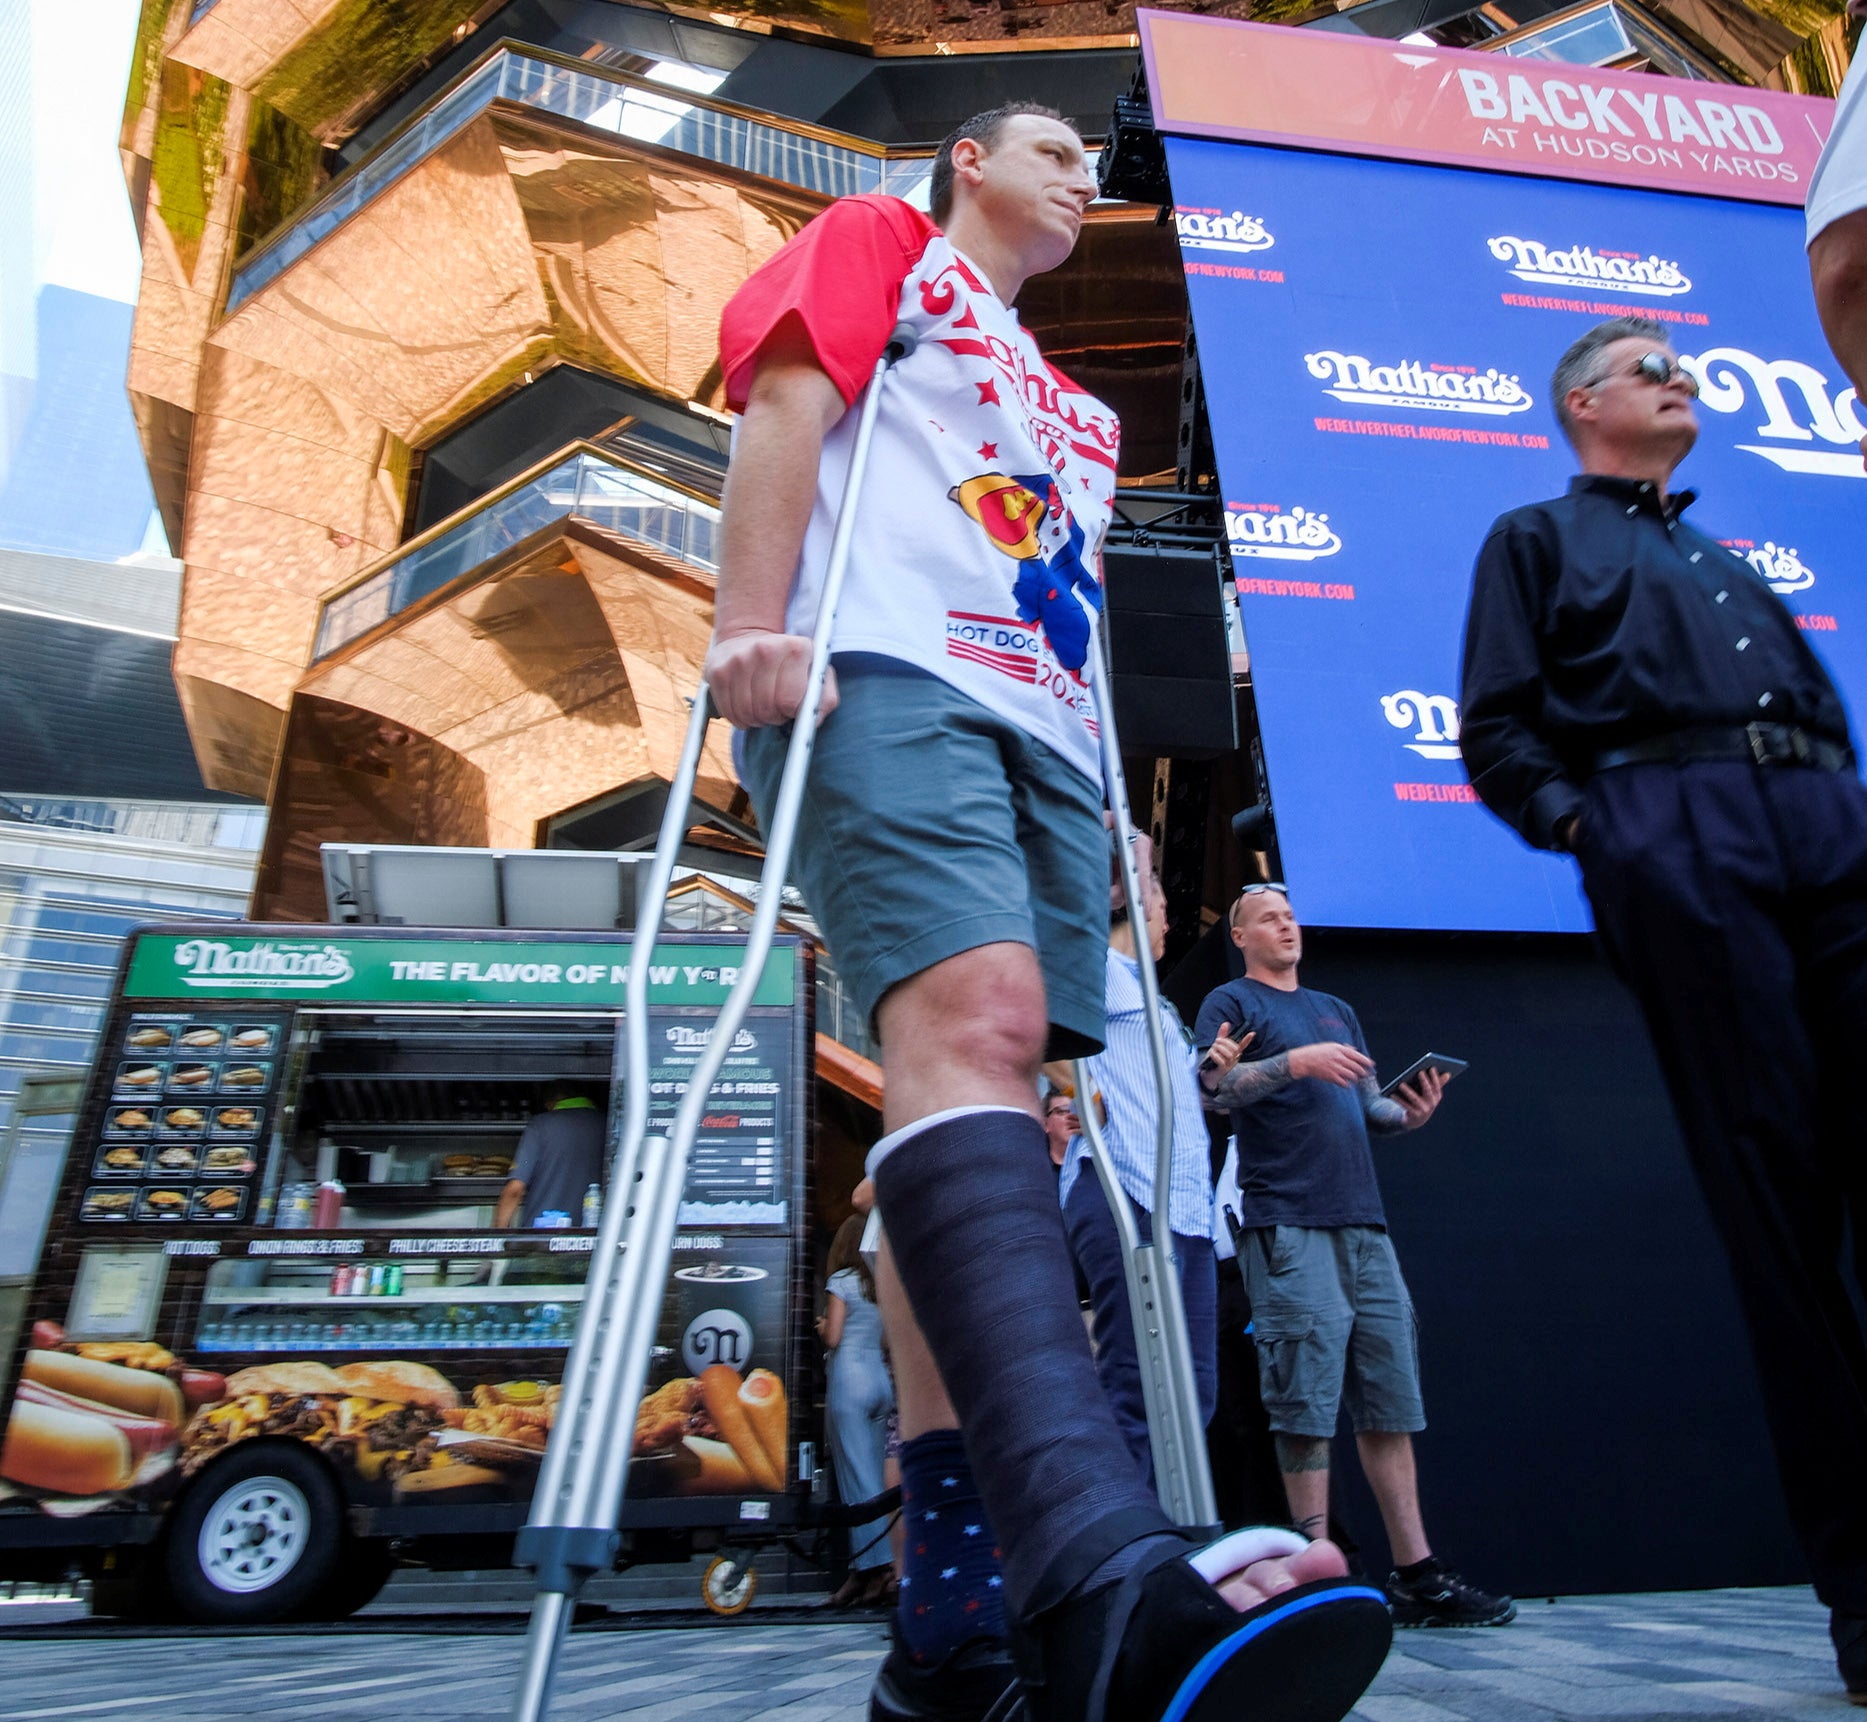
(1259, 890)
(1656, 368)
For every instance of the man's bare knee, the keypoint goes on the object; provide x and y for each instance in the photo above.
(982, 1011)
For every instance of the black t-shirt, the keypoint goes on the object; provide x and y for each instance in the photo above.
(560, 1156)
(1303, 1152)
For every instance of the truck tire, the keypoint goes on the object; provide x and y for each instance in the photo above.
(255, 1539)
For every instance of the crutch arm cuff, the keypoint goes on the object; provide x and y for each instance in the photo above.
(564, 1556)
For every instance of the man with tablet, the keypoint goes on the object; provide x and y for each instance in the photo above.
(1330, 1311)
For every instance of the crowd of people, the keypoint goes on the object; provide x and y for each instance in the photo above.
(955, 854)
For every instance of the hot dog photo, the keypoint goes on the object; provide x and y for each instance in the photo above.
(717, 1433)
(93, 1421)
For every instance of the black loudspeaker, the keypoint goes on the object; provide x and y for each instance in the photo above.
(1171, 657)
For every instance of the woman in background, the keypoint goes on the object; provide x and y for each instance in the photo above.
(858, 1404)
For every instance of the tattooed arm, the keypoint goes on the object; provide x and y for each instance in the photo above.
(1385, 1117)
(1246, 1082)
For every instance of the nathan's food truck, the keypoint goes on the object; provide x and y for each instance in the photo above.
(277, 1340)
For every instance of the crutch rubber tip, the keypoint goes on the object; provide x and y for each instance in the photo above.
(901, 343)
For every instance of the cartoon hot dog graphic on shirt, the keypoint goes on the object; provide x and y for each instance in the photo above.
(1027, 519)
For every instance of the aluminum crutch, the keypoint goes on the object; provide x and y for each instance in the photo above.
(1182, 1476)
(572, 1532)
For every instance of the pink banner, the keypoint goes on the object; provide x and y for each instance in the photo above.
(1318, 89)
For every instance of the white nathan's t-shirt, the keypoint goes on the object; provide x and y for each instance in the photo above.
(990, 479)
(1838, 186)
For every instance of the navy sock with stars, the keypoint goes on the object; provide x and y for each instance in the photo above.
(951, 1587)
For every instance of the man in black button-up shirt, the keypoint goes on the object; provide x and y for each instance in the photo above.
(1636, 695)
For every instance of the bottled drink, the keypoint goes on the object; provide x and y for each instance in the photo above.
(378, 1279)
(295, 1207)
(392, 1280)
(592, 1207)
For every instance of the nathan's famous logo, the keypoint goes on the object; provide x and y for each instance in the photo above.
(1437, 718)
(1026, 518)
(1429, 388)
(1206, 230)
(1796, 407)
(1781, 568)
(1284, 535)
(222, 963)
(1582, 265)
(685, 1039)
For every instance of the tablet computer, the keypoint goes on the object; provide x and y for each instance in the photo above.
(1447, 1068)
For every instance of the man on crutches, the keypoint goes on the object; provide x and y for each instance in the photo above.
(952, 848)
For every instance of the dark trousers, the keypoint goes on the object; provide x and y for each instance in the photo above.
(1733, 901)
(1097, 1248)
(1245, 1475)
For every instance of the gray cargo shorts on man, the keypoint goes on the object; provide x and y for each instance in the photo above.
(932, 826)
(1332, 1320)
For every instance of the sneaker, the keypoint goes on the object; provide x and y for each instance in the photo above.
(1439, 1597)
(975, 1683)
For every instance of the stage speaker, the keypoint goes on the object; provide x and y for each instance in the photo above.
(1171, 657)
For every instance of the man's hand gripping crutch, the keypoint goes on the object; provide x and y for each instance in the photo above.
(572, 1529)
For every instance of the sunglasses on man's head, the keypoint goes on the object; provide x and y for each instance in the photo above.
(1259, 890)
(1657, 368)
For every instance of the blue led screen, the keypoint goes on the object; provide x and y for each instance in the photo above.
(1376, 340)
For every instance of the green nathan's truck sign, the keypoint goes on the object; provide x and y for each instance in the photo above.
(276, 963)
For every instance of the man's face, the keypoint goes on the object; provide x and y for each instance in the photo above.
(1265, 930)
(1032, 186)
(1628, 409)
(1059, 1125)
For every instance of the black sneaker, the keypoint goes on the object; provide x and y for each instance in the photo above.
(1439, 1597)
(975, 1683)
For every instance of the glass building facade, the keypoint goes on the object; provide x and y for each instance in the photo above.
(75, 877)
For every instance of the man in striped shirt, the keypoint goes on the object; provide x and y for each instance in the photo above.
(1123, 1074)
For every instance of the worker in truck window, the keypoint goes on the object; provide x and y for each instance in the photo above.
(560, 1158)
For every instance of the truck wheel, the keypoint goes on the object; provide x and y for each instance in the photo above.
(361, 1570)
(722, 1593)
(255, 1539)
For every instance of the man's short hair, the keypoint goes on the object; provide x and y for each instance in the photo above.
(1246, 892)
(1581, 364)
(983, 129)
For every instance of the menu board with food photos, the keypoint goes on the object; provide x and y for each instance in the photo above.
(740, 1171)
(186, 1113)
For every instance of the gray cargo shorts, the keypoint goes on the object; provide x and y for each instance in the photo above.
(932, 826)
(1332, 1319)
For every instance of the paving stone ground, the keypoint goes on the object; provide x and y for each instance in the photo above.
(1715, 1654)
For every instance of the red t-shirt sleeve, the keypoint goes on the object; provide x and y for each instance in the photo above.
(838, 282)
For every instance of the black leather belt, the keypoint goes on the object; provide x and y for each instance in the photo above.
(1752, 744)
